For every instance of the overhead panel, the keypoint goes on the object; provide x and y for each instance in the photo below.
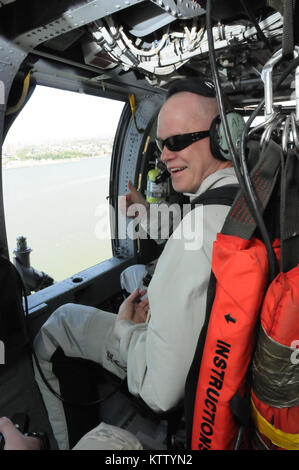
(73, 18)
(145, 19)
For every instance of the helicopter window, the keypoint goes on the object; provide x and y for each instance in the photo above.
(56, 171)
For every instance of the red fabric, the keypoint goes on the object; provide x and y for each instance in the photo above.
(280, 319)
(280, 313)
(241, 270)
(285, 419)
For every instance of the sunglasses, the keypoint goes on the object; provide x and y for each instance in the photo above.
(176, 143)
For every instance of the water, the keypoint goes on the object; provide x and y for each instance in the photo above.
(55, 207)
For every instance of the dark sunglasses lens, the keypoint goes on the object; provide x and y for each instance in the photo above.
(174, 143)
(178, 142)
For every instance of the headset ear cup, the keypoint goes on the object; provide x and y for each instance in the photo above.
(214, 139)
(218, 143)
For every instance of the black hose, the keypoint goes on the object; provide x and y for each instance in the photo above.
(259, 32)
(273, 265)
(291, 66)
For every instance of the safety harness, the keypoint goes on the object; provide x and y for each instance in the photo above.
(216, 383)
(245, 373)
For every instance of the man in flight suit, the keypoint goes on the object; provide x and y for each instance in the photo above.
(156, 355)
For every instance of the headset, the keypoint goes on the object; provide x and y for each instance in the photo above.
(236, 123)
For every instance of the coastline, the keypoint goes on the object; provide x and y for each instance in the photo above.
(7, 164)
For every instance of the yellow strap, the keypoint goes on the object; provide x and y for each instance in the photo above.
(133, 110)
(14, 109)
(279, 438)
(132, 103)
(146, 144)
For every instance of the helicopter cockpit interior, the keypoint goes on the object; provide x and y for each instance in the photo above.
(132, 51)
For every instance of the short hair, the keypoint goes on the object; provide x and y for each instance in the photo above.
(198, 86)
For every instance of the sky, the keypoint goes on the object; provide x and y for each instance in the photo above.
(52, 115)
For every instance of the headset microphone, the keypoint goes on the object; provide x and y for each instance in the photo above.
(162, 176)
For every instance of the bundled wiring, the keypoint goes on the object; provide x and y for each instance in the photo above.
(176, 47)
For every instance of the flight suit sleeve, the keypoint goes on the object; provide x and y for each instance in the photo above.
(157, 361)
(159, 354)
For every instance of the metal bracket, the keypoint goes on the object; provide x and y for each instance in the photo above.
(268, 86)
(275, 120)
(182, 9)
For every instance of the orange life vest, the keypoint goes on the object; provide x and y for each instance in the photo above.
(230, 339)
(275, 385)
(224, 351)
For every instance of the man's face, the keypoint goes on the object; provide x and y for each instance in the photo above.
(190, 166)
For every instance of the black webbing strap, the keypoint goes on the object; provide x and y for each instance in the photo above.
(193, 374)
(263, 177)
(223, 195)
(288, 39)
(289, 212)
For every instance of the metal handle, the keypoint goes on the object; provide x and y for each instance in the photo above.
(266, 76)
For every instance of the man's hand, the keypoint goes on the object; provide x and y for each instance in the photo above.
(133, 197)
(132, 309)
(15, 440)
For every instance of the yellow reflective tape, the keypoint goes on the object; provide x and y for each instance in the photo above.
(279, 438)
(20, 103)
(133, 110)
(132, 103)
